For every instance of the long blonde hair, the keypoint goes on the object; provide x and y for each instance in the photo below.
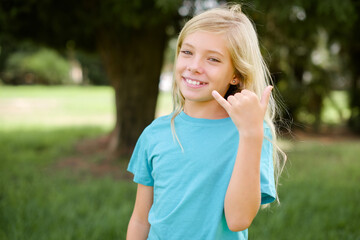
(250, 67)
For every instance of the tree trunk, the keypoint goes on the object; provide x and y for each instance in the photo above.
(354, 63)
(354, 121)
(133, 66)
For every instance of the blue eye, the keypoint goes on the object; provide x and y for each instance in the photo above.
(186, 52)
(214, 59)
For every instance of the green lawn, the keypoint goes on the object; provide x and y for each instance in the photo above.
(319, 194)
(319, 189)
(40, 106)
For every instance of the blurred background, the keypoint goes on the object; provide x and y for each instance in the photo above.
(80, 80)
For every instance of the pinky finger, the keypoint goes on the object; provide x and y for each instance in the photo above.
(222, 101)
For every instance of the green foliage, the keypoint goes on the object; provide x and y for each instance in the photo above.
(138, 14)
(307, 46)
(336, 108)
(81, 21)
(44, 66)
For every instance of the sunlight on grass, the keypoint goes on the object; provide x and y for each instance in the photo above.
(58, 106)
(39, 106)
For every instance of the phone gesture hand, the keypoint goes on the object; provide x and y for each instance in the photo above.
(245, 109)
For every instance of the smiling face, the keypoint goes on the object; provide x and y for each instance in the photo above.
(203, 65)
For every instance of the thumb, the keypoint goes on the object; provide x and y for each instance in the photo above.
(265, 98)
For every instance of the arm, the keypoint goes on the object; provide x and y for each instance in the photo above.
(139, 226)
(243, 196)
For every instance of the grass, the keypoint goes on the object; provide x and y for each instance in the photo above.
(319, 192)
(41, 106)
(38, 201)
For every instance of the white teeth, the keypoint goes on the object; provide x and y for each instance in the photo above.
(192, 82)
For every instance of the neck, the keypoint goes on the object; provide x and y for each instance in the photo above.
(208, 110)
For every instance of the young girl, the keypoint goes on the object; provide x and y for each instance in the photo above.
(204, 170)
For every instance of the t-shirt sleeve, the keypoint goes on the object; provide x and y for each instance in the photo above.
(268, 191)
(140, 165)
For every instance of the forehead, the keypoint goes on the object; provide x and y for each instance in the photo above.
(207, 41)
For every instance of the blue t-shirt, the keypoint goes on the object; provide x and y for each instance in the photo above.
(190, 185)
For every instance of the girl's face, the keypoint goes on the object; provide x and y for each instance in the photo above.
(203, 65)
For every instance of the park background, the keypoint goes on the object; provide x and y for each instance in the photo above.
(79, 80)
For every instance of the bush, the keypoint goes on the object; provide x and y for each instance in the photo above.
(43, 66)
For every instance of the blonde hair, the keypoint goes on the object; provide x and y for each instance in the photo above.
(250, 67)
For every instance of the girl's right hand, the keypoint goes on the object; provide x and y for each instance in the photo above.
(246, 110)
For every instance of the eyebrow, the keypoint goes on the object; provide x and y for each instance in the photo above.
(211, 51)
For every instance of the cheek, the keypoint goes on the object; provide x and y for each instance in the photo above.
(228, 74)
(180, 65)
(179, 68)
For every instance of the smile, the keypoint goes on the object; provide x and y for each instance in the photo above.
(194, 83)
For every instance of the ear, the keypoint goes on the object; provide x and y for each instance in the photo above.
(235, 80)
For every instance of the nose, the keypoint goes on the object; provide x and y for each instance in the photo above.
(195, 66)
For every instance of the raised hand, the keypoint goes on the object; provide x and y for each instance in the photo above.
(246, 110)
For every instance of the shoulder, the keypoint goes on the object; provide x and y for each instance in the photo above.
(157, 132)
(160, 122)
(157, 125)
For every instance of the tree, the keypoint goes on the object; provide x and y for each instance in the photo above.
(301, 38)
(130, 37)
